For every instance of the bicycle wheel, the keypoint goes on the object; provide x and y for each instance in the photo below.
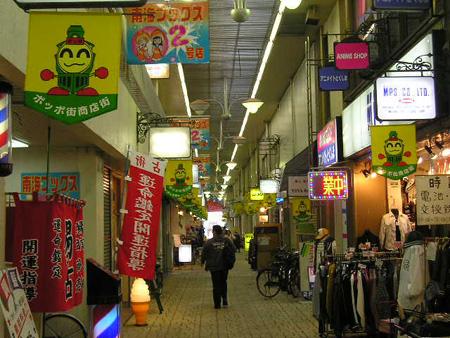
(267, 283)
(62, 325)
(294, 283)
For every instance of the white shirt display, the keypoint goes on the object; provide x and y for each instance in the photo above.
(388, 230)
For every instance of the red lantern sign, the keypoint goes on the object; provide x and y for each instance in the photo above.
(328, 185)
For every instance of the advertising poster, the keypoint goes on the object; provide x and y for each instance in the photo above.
(137, 252)
(178, 179)
(73, 64)
(50, 254)
(394, 150)
(302, 215)
(14, 305)
(62, 183)
(200, 133)
(298, 186)
(176, 32)
(433, 199)
(204, 165)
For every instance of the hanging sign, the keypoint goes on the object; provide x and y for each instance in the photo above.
(402, 4)
(14, 305)
(63, 183)
(204, 165)
(168, 33)
(328, 185)
(332, 79)
(50, 254)
(137, 252)
(269, 186)
(351, 55)
(214, 206)
(394, 150)
(328, 140)
(433, 196)
(73, 64)
(178, 179)
(256, 195)
(405, 98)
(200, 133)
(298, 186)
(302, 215)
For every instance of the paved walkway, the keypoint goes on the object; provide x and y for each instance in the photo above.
(189, 310)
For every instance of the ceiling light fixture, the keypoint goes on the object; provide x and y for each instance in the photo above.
(240, 12)
(231, 165)
(252, 105)
(226, 178)
(200, 106)
(224, 186)
(291, 4)
(184, 89)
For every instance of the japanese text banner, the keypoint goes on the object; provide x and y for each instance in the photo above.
(168, 33)
(137, 253)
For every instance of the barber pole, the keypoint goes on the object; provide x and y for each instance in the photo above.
(5, 129)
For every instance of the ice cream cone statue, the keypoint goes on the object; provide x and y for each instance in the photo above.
(140, 301)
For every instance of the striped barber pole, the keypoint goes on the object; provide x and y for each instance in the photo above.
(5, 129)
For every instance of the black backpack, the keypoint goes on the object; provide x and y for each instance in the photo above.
(229, 257)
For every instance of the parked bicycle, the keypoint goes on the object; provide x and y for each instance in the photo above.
(63, 325)
(282, 275)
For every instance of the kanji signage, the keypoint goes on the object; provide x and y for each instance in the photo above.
(14, 305)
(200, 133)
(298, 186)
(62, 183)
(328, 185)
(256, 195)
(178, 179)
(402, 4)
(332, 79)
(433, 199)
(394, 150)
(204, 165)
(405, 98)
(137, 252)
(329, 141)
(351, 55)
(50, 254)
(214, 206)
(168, 33)
(73, 64)
(39, 4)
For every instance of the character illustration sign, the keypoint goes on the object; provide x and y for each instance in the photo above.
(73, 65)
(302, 215)
(394, 150)
(178, 178)
(168, 33)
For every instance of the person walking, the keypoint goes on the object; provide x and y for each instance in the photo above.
(218, 255)
(237, 241)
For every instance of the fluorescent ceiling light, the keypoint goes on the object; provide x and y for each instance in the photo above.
(292, 4)
(252, 105)
(196, 152)
(170, 142)
(184, 89)
(19, 144)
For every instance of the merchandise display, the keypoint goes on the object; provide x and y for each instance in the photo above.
(394, 227)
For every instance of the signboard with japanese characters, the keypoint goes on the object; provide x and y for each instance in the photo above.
(200, 133)
(176, 32)
(73, 64)
(256, 194)
(332, 79)
(396, 5)
(137, 252)
(14, 305)
(204, 165)
(394, 150)
(405, 98)
(298, 186)
(50, 254)
(62, 183)
(433, 199)
(351, 55)
(328, 185)
(329, 143)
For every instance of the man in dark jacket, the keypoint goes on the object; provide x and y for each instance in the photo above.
(212, 254)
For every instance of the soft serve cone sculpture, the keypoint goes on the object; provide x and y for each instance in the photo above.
(140, 301)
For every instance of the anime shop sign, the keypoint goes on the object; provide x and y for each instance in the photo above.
(352, 55)
(73, 64)
(328, 185)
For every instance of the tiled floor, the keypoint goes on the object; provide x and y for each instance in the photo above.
(189, 311)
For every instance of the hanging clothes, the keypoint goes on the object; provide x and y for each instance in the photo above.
(393, 227)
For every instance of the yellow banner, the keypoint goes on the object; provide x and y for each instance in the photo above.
(256, 195)
(302, 215)
(73, 64)
(394, 150)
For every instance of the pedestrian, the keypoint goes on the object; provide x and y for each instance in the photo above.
(237, 241)
(218, 253)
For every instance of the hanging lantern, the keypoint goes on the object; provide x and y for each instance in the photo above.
(5, 129)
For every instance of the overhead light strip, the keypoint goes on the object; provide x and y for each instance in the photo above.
(184, 89)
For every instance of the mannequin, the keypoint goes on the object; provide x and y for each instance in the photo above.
(394, 227)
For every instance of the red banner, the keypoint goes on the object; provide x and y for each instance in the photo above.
(137, 253)
(50, 254)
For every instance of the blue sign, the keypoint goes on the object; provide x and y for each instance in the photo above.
(332, 79)
(58, 183)
(402, 4)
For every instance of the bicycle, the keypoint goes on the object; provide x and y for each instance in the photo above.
(63, 325)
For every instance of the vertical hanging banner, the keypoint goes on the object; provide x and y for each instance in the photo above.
(176, 32)
(200, 133)
(394, 150)
(50, 254)
(204, 165)
(178, 179)
(73, 64)
(137, 254)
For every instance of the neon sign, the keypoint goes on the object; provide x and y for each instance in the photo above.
(328, 185)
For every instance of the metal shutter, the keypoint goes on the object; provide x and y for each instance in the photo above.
(107, 251)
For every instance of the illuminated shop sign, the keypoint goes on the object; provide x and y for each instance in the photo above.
(402, 4)
(256, 194)
(405, 98)
(328, 143)
(328, 185)
(351, 55)
(332, 79)
(269, 186)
